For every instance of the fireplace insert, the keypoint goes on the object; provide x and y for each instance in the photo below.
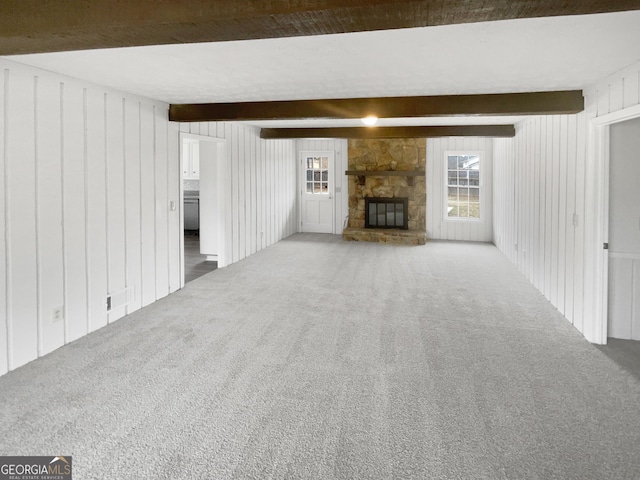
(383, 212)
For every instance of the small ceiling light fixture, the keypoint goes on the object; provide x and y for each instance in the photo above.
(370, 120)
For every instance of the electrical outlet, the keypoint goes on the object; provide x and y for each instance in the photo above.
(109, 303)
(57, 314)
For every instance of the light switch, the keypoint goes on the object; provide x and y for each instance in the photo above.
(172, 205)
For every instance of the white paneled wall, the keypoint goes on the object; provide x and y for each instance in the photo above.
(87, 175)
(547, 198)
(341, 148)
(538, 187)
(438, 227)
(262, 197)
(616, 92)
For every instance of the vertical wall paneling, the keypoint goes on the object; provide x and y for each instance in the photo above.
(96, 205)
(555, 211)
(173, 212)
(284, 184)
(235, 188)
(49, 213)
(245, 193)
(438, 227)
(272, 179)
(544, 150)
(4, 270)
(115, 199)
(242, 225)
(248, 193)
(228, 201)
(133, 175)
(161, 205)
(276, 190)
(548, 205)
(147, 204)
(557, 186)
(259, 195)
(88, 176)
(525, 151)
(80, 187)
(541, 159)
(570, 216)
(630, 90)
(563, 160)
(21, 218)
(616, 96)
(254, 197)
(579, 228)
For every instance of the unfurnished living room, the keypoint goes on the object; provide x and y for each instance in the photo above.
(320, 240)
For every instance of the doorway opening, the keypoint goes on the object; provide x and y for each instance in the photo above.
(599, 326)
(204, 233)
(623, 310)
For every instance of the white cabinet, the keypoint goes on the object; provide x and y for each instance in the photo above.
(190, 159)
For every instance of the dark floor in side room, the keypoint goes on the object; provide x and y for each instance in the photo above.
(195, 264)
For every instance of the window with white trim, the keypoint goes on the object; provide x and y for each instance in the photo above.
(463, 175)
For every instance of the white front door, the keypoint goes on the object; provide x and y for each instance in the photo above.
(316, 192)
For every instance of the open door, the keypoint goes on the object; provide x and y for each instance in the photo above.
(624, 231)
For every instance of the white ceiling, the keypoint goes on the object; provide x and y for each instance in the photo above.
(542, 54)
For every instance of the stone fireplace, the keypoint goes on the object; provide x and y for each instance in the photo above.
(387, 172)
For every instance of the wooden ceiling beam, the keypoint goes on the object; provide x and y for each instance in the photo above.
(33, 26)
(391, 132)
(538, 103)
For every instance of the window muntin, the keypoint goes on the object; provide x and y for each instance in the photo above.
(317, 175)
(463, 185)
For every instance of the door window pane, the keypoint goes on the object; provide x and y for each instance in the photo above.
(317, 175)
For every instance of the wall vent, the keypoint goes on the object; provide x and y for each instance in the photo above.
(120, 298)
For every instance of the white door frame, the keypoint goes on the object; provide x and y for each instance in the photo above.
(599, 129)
(223, 199)
(332, 184)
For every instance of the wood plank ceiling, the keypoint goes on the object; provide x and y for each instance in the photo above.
(32, 26)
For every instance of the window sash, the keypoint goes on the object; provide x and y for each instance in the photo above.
(463, 185)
